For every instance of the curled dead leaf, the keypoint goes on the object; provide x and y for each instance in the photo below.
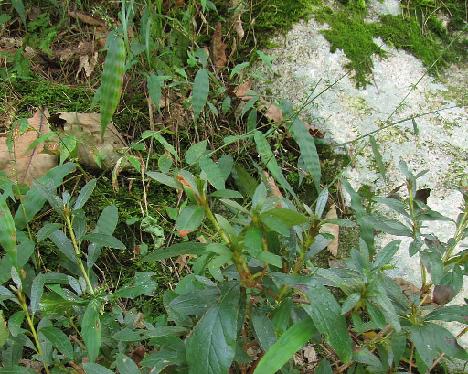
(242, 90)
(218, 48)
(30, 158)
(93, 152)
(86, 18)
(272, 186)
(274, 113)
(238, 27)
(333, 229)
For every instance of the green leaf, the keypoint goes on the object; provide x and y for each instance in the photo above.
(192, 248)
(449, 313)
(377, 156)
(394, 204)
(415, 126)
(190, 218)
(212, 346)
(238, 68)
(323, 367)
(92, 368)
(67, 145)
(7, 231)
(91, 329)
(195, 152)
(431, 340)
(268, 158)
(264, 330)
(34, 201)
(58, 340)
(126, 365)
(19, 7)
(282, 220)
(143, 284)
(104, 240)
(327, 317)
(226, 194)
(213, 172)
(385, 255)
(390, 226)
(201, 89)
(321, 203)
(46, 230)
(112, 79)
(63, 244)
(289, 343)
(163, 179)
(308, 151)
(4, 333)
(155, 84)
(85, 194)
(37, 287)
(350, 303)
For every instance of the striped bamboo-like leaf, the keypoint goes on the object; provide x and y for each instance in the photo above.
(112, 79)
(201, 89)
(268, 158)
(308, 151)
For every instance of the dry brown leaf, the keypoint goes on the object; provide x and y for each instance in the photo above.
(272, 186)
(331, 228)
(25, 163)
(87, 64)
(86, 18)
(238, 27)
(442, 294)
(408, 288)
(242, 89)
(218, 48)
(86, 127)
(309, 353)
(274, 113)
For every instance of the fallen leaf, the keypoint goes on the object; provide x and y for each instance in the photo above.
(138, 354)
(87, 64)
(85, 18)
(331, 228)
(408, 288)
(242, 89)
(238, 27)
(274, 113)
(25, 163)
(442, 294)
(272, 186)
(183, 233)
(93, 152)
(218, 48)
(309, 353)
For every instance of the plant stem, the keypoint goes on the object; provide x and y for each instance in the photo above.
(32, 328)
(76, 247)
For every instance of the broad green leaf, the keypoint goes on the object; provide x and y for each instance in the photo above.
(112, 79)
(63, 244)
(7, 231)
(91, 329)
(164, 331)
(67, 145)
(323, 367)
(143, 284)
(34, 201)
(155, 84)
(244, 180)
(19, 7)
(190, 218)
(238, 68)
(364, 356)
(46, 230)
(431, 340)
(85, 194)
(4, 333)
(282, 220)
(184, 248)
(394, 204)
(377, 156)
(327, 317)
(201, 89)
(264, 330)
(390, 226)
(289, 343)
(321, 203)
(308, 151)
(212, 346)
(268, 158)
(163, 179)
(449, 313)
(37, 287)
(92, 368)
(58, 340)
(104, 240)
(195, 152)
(226, 194)
(350, 303)
(213, 172)
(126, 365)
(385, 255)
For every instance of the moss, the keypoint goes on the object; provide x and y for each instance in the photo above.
(349, 32)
